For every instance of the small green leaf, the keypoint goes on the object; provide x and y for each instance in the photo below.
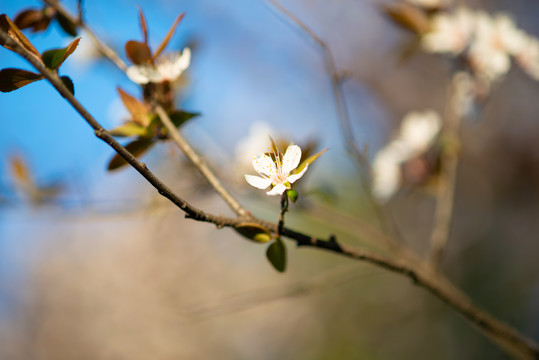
(276, 255)
(55, 57)
(66, 24)
(254, 232)
(68, 83)
(12, 79)
(309, 161)
(137, 148)
(292, 195)
(139, 53)
(179, 117)
(129, 129)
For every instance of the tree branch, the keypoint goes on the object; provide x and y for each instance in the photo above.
(102, 47)
(507, 337)
(199, 163)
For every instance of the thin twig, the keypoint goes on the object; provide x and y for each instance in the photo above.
(336, 87)
(102, 47)
(199, 163)
(445, 193)
(360, 157)
(507, 337)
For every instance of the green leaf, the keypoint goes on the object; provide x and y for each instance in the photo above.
(137, 148)
(309, 161)
(66, 24)
(12, 79)
(254, 232)
(128, 129)
(179, 117)
(292, 195)
(55, 57)
(68, 83)
(276, 255)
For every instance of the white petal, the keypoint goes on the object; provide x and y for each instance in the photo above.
(264, 165)
(293, 178)
(182, 62)
(138, 74)
(258, 182)
(291, 159)
(277, 190)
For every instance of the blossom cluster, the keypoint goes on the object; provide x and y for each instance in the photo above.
(416, 135)
(487, 42)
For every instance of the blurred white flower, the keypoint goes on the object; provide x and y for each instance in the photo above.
(417, 133)
(257, 141)
(275, 171)
(167, 68)
(430, 4)
(527, 56)
(450, 33)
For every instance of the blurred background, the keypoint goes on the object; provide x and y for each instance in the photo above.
(96, 265)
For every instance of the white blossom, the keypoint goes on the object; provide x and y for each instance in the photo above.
(276, 172)
(450, 33)
(417, 133)
(166, 68)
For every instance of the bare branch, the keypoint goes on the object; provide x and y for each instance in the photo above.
(198, 162)
(445, 193)
(105, 50)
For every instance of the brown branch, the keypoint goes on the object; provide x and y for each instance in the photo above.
(199, 163)
(507, 337)
(102, 47)
(445, 193)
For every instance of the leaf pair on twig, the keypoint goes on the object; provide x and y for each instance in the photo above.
(13, 79)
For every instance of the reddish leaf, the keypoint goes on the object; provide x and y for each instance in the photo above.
(137, 148)
(37, 20)
(139, 53)
(143, 25)
(137, 109)
(15, 34)
(12, 79)
(165, 41)
(409, 17)
(55, 57)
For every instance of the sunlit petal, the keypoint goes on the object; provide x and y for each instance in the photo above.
(264, 165)
(258, 182)
(293, 178)
(291, 159)
(277, 190)
(138, 74)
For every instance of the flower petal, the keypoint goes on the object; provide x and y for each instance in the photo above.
(182, 62)
(264, 166)
(258, 182)
(291, 159)
(293, 178)
(277, 190)
(138, 74)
